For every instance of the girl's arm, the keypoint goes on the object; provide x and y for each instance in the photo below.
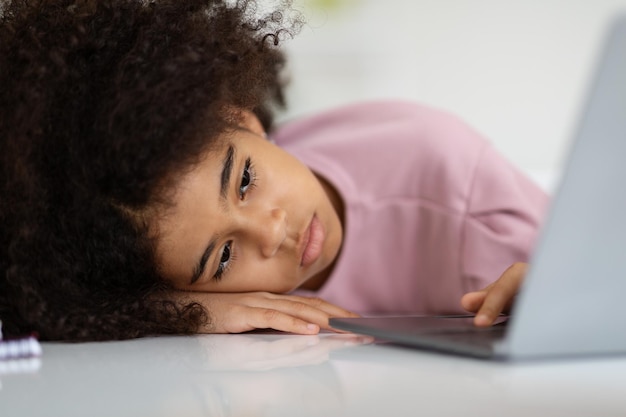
(497, 297)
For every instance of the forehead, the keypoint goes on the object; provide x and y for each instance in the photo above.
(184, 186)
(210, 158)
(189, 218)
(199, 181)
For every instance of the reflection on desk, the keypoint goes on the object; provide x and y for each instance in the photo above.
(276, 374)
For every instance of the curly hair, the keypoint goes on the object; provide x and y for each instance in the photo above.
(102, 102)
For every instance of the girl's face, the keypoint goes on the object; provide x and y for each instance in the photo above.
(248, 217)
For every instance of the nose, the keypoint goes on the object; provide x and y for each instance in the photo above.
(270, 231)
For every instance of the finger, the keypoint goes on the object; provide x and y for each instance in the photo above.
(313, 309)
(243, 317)
(473, 300)
(500, 296)
(331, 309)
(269, 318)
(311, 312)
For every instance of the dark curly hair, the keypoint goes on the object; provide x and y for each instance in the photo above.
(102, 103)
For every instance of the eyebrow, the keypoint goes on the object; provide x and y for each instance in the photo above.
(227, 170)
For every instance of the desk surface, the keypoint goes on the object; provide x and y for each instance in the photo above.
(269, 374)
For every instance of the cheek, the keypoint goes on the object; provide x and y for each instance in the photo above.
(279, 275)
(301, 182)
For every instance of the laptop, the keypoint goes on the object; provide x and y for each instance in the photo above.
(573, 297)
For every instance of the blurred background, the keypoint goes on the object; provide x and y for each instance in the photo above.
(516, 70)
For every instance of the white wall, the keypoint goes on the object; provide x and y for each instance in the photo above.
(517, 70)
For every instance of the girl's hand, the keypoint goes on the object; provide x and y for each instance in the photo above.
(242, 312)
(495, 298)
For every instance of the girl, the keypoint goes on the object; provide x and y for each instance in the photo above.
(141, 196)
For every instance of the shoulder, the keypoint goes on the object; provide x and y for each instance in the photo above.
(396, 135)
(376, 143)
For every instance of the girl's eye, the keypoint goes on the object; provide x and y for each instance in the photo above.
(224, 261)
(247, 179)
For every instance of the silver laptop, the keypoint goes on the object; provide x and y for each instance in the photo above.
(574, 296)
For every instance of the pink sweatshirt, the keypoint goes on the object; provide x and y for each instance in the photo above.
(432, 210)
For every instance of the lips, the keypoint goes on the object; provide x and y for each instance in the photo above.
(313, 242)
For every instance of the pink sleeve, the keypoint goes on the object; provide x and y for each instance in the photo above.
(505, 211)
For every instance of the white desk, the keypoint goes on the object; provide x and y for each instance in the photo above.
(288, 375)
